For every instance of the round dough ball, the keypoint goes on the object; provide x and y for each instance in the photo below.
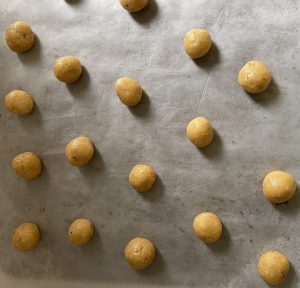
(19, 102)
(273, 267)
(208, 227)
(139, 253)
(142, 177)
(279, 187)
(134, 5)
(81, 231)
(80, 151)
(19, 37)
(27, 165)
(254, 77)
(26, 237)
(129, 91)
(197, 43)
(200, 132)
(67, 69)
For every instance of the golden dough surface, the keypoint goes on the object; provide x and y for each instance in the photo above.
(273, 267)
(81, 231)
(139, 253)
(254, 77)
(67, 69)
(197, 43)
(19, 37)
(142, 177)
(19, 102)
(27, 165)
(26, 237)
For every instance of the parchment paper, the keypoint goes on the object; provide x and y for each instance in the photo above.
(254, 135)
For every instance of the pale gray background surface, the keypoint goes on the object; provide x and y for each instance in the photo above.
(253, 136)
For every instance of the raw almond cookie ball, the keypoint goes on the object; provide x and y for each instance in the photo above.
(18, 102)
(134, 5)
(19, 37)
(67, 69)
(81, 231)
(139, 253)
(142, 177)
(279, 187)
(200, 132)
(197, 43)
(254, 77)
(80, 151)
(129, 91)
(208, 227)
(26, 237)
(273, 267)
(27, 165)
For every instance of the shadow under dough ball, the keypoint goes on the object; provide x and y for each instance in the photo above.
(279, 187)
(142, 177)
(139, 253)
(208, 227)
(197, 43)
(81, 231)
(19, 37)
(200, 132)
(27, 165)
(254, 77)
(134, 5)
(80, 151)
(129, 91)
(273, 267)
(26, 237)
(19, 102)
(67, 69)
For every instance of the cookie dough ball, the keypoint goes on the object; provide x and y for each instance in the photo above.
(80, 151)
(208, 227)
(129, 91)
(139, 253)
(200, 132)
(27, 165)
(26, 237)
(279, 187)
(273, 267)
(142, 177)
(81, 231)
(134, 5)
(197, 43)
(67, 69)
(19, 102)
(254, 77)
(19, 37)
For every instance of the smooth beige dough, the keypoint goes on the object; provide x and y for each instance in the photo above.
(254, 77)
(67, 69)
(142, 177)
(279, 187)
(208, 227)
(81, 231)
(19, 37)
(26, 237)
(80, 151)
(140, 253)
(18, 102)
(200, 132)
(129, 91)
(134, 5)
(197, 43)
(273, 267)
(27, 165)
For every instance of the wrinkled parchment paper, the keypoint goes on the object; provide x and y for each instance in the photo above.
(254, 135)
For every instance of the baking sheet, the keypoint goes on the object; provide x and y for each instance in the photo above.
(253, 136)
